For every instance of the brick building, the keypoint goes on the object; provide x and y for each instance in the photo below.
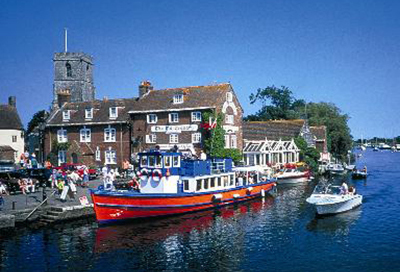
(170, 117)
(97, 132)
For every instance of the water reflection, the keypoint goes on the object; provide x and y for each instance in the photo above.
(338, 224)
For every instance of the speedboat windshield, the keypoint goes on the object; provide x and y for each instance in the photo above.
(327, 189)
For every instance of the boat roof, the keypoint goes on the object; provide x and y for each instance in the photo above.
(248, 168)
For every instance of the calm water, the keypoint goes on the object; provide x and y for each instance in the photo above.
(275, 234)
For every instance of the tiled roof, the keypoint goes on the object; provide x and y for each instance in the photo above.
(319, 132)
(100, 112)
(6, 148)
(9, 118)
(194, 97)
(273, 129)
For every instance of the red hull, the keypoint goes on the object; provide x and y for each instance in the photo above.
(114, 206)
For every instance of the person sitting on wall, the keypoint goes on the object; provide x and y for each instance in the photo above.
(30, 185)
(22, 185)
(3, 189)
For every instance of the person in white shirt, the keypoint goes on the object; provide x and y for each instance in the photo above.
(345, 188)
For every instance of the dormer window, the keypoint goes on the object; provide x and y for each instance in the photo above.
(66, 115)
(113, 112)
(178, 99)
(89, 113)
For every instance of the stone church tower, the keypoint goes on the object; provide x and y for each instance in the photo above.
(73, 78)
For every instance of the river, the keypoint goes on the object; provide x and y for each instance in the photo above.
(272, 234)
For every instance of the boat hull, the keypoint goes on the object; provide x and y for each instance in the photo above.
(292, 180)
(339, 207)
(117, 206)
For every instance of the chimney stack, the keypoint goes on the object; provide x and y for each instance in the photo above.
(12, 101)
(144, 88)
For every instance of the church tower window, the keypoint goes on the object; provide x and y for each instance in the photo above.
(69, 69)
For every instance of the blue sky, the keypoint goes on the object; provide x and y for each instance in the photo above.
(341, 51)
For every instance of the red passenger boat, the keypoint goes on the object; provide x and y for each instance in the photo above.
(170, 185)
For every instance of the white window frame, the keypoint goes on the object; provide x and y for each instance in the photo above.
(152, 118)
(174, 138)
(151, 139)
(229, 119)
(98, 154)
(62, 135)
(178, 99)
(226, 137)
(89, 113)
(66, 115)
(62, 156)
(196, 116)
(196, 138)
(110, 135)
(85, 135)
(233, 141)
(229, 96)
(173, 117)
(112, 114)
(110, 156)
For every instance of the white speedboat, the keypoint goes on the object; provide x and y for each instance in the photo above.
(336, 169)
(292, 176)
(350, 167)
(329, 199)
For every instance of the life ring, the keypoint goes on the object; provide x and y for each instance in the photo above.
(144, 174)
(157, 175)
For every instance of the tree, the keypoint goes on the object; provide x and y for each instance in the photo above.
(338, 132)
(309, 155)
(38, 118)
(283, 104)
(214, 143)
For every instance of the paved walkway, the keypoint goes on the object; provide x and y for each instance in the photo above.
(20, 201)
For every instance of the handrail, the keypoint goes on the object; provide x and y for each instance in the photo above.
(35, 209)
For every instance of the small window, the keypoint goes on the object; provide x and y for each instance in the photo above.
(178, 99)
(152, 119)
(233, 141)
(151, 139)
(173, 138)
(198, 184)
(151, 161)
(62, 156)
(173, 117)
(226, 180)
(158, 160)
(196, 137)
(86, 135)
(219, 182)
(98, 158)
(143, 161)
(229, 97)
(186, 185)
(66, 115)
(14, 138)
(206, 183)
(232, 180)
(226, 141)
(62, 136)
(111, 157)
(110, 134)
(176, 161)
(69, 69)
(113, 112)
(229, 119)
(212, 185)
(196, 116)
(89, 113)
(167, 161)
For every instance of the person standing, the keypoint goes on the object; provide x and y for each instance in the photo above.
(85, 177)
